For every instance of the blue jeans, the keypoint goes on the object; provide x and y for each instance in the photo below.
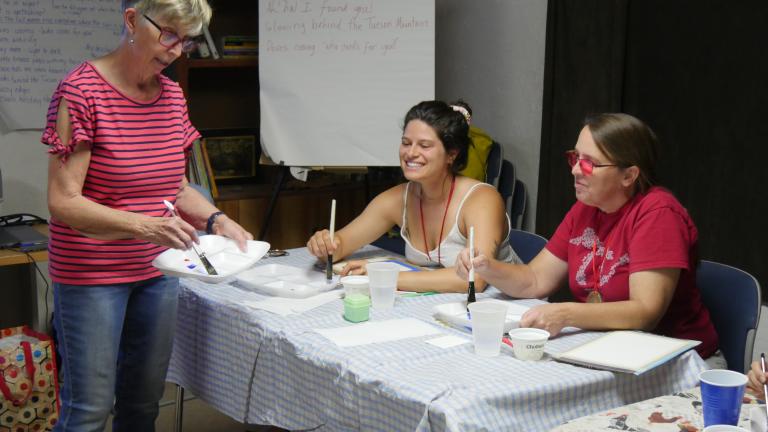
(115, 344)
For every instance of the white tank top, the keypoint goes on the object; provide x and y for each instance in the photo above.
(454, 242)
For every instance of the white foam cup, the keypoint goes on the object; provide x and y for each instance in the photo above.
(382, 282)
(357, 284)
(528, 343)
(487, 320)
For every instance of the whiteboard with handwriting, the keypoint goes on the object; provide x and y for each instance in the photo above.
(42, 40)
(338, 76)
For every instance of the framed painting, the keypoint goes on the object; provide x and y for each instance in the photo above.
(233, 153)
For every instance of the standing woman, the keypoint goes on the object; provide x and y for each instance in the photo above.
(627, 248)
(118, 132)
(434, 209)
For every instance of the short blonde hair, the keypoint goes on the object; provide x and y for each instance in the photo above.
(188, 14)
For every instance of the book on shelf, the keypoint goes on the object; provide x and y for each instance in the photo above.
(202, 49)
(209, 41)
(237, 46)
(632, 352)
(198, 168)
(209, 171)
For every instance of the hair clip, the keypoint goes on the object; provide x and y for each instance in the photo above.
(463, 111)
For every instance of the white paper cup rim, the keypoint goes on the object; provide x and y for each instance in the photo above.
(528, 334)
(354, 279)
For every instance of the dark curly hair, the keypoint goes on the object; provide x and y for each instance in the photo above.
(450, 126)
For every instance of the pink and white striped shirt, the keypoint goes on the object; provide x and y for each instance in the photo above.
(138, 152)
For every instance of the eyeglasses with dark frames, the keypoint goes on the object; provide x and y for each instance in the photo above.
(586, 165)
(169, 39)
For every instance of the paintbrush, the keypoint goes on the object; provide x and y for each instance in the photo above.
(471, 290)
(200, 254)
(329, 262)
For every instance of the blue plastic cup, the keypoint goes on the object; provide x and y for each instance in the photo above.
(721, 396)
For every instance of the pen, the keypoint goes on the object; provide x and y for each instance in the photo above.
(471, 290)
(329, 263)
(203, 259)
(765, 385)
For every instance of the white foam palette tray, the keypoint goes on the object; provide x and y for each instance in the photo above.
(285, 281)
(222, 252)
(456, 314)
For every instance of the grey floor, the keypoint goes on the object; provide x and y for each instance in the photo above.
(200, 417)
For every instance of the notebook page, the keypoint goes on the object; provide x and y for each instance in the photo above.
(629, 351)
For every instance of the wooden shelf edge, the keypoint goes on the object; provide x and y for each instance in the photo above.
(245, 62)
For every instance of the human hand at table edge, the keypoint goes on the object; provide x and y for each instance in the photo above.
(321, 246)
(354, 267)
(552, 317)
(224, 226)
(756, 380)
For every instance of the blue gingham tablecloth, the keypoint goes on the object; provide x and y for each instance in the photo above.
(262, 368)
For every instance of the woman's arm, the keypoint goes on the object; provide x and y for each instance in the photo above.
(539, 278)
(195, 209)
(67, 204)
(650, 293)
(380, 215)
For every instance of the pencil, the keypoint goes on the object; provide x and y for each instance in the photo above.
(765, 385)
(471, 290)
(329, 263)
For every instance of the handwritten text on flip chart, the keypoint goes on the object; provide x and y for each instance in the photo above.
(303, 27)
(40, 41)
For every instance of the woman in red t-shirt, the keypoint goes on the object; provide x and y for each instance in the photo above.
(627, 247)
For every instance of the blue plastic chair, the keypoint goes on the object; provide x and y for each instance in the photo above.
(733, 299)
(519, 201)
(506, 184)
(391, 241)
(526, 244)
(493, 165)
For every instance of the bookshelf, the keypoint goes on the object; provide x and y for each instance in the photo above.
(224, 94)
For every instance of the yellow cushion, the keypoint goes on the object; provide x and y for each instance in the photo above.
(477, 157)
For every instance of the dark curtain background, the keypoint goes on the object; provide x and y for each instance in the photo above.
(697, 73)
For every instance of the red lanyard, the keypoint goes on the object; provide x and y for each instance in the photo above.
(442, 225)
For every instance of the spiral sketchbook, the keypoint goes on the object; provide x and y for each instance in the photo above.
(632, 352)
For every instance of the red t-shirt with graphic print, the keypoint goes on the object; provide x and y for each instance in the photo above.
(651, 231)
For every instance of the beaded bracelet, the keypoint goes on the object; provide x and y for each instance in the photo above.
(211, 220)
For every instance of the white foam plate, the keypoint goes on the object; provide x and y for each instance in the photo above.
(456, 313)
(285, 281)
(222, 252)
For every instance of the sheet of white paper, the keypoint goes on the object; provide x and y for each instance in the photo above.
(289, 306)
(378, 331)
(757, 419)
(447, 341)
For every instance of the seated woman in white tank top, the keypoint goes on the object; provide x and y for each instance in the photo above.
(434, 209)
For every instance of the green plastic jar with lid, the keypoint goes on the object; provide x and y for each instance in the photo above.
(357, 307)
